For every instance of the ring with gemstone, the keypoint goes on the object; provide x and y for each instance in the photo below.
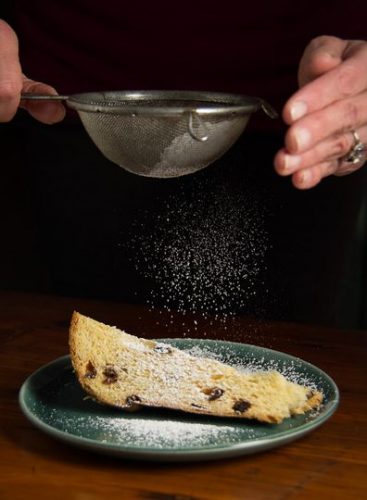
(357, 152)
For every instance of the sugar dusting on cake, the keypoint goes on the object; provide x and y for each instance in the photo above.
(291, 369)
(170, 430)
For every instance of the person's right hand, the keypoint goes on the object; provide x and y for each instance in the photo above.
(13, 83)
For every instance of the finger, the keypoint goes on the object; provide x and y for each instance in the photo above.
(308, 178)
(356, 156)
(347, 168)
(333, 147)
(346, 79)
(10, 73)
(341, 116)
(48, 112)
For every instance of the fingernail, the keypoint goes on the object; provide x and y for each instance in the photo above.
(291, 162)
(304, 177)
(302, 138)
(298, 110)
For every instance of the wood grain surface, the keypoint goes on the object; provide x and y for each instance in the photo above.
(329, 463)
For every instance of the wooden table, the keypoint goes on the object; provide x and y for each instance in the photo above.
(329, 463)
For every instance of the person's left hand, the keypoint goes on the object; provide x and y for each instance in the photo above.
(324, 114)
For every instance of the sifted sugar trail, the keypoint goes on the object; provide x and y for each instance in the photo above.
(205, 252)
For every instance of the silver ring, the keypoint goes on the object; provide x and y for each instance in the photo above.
(357, 151)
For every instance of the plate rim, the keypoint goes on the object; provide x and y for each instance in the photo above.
(184, 453)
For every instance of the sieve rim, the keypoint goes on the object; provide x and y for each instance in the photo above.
(218, 103)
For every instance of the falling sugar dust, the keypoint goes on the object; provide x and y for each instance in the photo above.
(203, 252)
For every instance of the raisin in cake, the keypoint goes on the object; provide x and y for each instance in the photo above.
(125, 371)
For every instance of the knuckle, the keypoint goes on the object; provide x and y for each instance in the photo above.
(350, 115)
(340, 145)
(347, 81)
(318, 41)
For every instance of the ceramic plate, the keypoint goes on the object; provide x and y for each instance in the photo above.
(52, 400)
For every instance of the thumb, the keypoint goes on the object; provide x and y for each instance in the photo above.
(321, 55)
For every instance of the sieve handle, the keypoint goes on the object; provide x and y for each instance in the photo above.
(268, 109)
(29, 96)
(195, 134)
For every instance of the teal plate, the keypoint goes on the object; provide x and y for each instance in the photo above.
(52, 399)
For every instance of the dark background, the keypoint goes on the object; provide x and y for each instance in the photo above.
(57, 238)
(67, 216)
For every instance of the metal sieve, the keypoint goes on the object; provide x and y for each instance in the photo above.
(162, 133)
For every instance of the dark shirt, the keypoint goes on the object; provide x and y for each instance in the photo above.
(247, 47)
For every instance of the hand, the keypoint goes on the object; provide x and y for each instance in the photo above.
(13, 83)
(330, 105)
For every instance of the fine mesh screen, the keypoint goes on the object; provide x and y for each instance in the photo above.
(163, 146)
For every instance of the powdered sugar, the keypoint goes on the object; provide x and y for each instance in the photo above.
(204, 253)
(291, 369)
(158, 433)
(60, 403)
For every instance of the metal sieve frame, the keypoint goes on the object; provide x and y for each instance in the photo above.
(218, 103)
(169, 123)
